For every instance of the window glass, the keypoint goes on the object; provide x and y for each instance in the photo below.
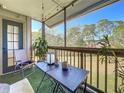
(16, 45)
(10, 45)
(10, 37)
(16, 37)
(10, 62)
(87, 30)
(55, 35)
(10, 53)
(10, 28)
(16, 29)
(36, 30)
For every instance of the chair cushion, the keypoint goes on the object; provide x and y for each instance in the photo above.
(4, 88)
(22, 86)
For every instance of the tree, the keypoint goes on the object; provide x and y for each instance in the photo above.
(73, 35)
(36, 34)
(104, 27)
(89, 33)
(117, 37)
(53, 37)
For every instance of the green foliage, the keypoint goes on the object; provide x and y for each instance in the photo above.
(105, 42)
(36, 34)
(105, 27)
(89, 31)
(88, 35)
(117, 37)
(40, 47)
(73, 36)
(105, 50)
(54, 39)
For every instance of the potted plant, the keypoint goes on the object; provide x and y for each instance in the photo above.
(106, 50)
(40, 47)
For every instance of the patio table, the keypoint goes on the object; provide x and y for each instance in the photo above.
(70, 79)
(44, 67)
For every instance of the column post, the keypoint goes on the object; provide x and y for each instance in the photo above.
(43, 30)
(65, 27)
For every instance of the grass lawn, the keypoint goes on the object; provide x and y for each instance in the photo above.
(34, 79)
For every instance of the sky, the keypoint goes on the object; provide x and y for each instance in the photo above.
(112, 12)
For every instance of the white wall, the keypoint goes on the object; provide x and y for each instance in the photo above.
(26, 30)
(29, 34)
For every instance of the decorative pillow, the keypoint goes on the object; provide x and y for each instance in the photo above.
(4, 88)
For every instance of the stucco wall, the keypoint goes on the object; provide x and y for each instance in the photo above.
(26, 30)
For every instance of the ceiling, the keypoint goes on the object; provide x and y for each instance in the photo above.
(51, 11)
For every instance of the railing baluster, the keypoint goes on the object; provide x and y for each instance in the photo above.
(55, 53)
(74, 58)
(97, 71)
(70, 58)
(116, 75)
(85, 61)
(90, 68)
(82, 60)
(34, 56)
(78, 60)
(67, 56)
(106, 73)
(61, 55)
(64, 55)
